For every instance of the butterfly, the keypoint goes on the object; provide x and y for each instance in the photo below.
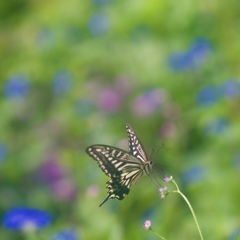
(123, 168)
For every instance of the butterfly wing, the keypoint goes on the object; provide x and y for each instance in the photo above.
(123, 169)
(135, 146)
(116, 189)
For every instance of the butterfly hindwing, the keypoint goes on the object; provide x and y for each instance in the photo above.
(116, 189)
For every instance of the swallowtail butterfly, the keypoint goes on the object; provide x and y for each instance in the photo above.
(124, 168)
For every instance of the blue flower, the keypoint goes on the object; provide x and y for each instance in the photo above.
(236, 160)
(207, 96)
(216, 125)
(149, 212)
(180, 61)
(98, 24)
(101, 2)
(68, 234)
(230, 89)
(16, 87)
(193, 174)
(62, 82)
(192, 58)
(235, 235)
(3, 151)
(199, 51)
(26, 219)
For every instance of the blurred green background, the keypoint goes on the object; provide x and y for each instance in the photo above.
(74, 72)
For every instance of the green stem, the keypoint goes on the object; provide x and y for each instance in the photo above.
(157, 234)
(190, 206)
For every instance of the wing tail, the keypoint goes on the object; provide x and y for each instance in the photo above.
(105, 200)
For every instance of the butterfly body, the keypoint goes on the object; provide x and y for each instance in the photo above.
(124, 168)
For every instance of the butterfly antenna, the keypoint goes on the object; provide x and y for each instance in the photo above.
(157, 150)
(151, 153)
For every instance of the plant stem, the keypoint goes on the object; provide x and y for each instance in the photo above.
(157, 234)
(190, 206)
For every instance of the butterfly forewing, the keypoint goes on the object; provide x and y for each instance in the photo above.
(135, 146)
(113, 160)
(101, 154)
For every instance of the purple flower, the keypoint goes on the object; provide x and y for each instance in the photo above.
(93, 190)
(109, 99)
(63, 189)
(207, 96)
(147, 224)
(26, 219)
(3, 151)
(194, 174)
(148, 102)
(67, 234)
(167, 179)
(62, 82)
(98, 24)
(123, 85)
(163, 192)
(168, 129)
(16, 87)
(51, 171)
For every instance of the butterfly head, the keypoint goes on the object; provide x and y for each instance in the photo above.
(148, 167)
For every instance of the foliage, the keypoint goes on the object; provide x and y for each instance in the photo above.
(73, 73)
